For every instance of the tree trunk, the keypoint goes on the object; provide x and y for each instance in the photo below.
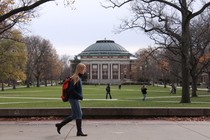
(28, 83)
(45, 83)
(185, 76)
(37, 82)
(165, 83)
(208, 78)
(14, 84)
(185, 47)
(185, 86)
(194, 87)
(2, 86)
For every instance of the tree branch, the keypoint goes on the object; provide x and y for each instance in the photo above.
(200, 11)
(115, 4)
(21, 9)
(165, 2)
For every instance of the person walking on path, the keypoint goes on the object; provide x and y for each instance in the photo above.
(144, 92)
(76, 87)
(108, 91)
(173, 89)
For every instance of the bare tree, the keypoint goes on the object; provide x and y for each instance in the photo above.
(200, 59)
(57, 69)
(40, 56)
(65, 71)
(43, 61)
(52, 67)
(145, 66)
(167, 22)
(159, 65)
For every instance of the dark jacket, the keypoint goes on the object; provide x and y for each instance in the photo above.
(108, 89)
(144, 90)
(77, 90)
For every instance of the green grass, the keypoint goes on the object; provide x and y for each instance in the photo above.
(94, 96)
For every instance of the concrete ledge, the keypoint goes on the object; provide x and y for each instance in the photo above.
(108, 112)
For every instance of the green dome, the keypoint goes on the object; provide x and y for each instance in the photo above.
(104, 47)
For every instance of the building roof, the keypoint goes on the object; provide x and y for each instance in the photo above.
(104, 47)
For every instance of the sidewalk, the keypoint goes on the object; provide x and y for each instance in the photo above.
(107, 130)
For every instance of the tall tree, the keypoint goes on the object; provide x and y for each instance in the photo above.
(145, 66)
(65, 71)
(36, 49)
(167, 22)
(57, 66)
(52, 66)
(43, 61)
(199, 53)
(12, 58)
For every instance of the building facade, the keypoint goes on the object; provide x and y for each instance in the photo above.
(106, 62)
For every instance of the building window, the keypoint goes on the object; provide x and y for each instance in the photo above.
(115, 71)
(94, 71)
(125, 71)
(105, 71)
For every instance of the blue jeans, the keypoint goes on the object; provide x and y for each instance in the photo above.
(76, 110)
(144, 96)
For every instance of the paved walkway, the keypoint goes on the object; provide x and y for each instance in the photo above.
(107, 130)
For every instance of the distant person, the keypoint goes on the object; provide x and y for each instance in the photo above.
(144, 92)
(108, 91)
(208, 88)
(76, 87)
(173, 89)
(119, 86)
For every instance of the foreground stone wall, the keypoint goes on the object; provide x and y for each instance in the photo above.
(108, 112)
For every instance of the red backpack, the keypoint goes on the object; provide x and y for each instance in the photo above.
(66, 89)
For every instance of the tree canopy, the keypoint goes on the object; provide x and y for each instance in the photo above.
(13, 58)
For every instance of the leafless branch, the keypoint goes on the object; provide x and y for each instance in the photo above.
(115, 4)
(22, 9)
(200, 11)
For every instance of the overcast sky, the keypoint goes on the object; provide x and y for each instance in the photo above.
(71, 31)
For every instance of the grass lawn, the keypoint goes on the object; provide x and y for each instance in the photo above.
(94, 96)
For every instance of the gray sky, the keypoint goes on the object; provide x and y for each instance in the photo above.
(71, 31)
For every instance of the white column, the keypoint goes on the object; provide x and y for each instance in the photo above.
(90, 72)
(101, 71)
(108, 71)
(119, 72)
(111, 71)
(98, 71)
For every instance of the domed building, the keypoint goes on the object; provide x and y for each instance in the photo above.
(106, 62)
